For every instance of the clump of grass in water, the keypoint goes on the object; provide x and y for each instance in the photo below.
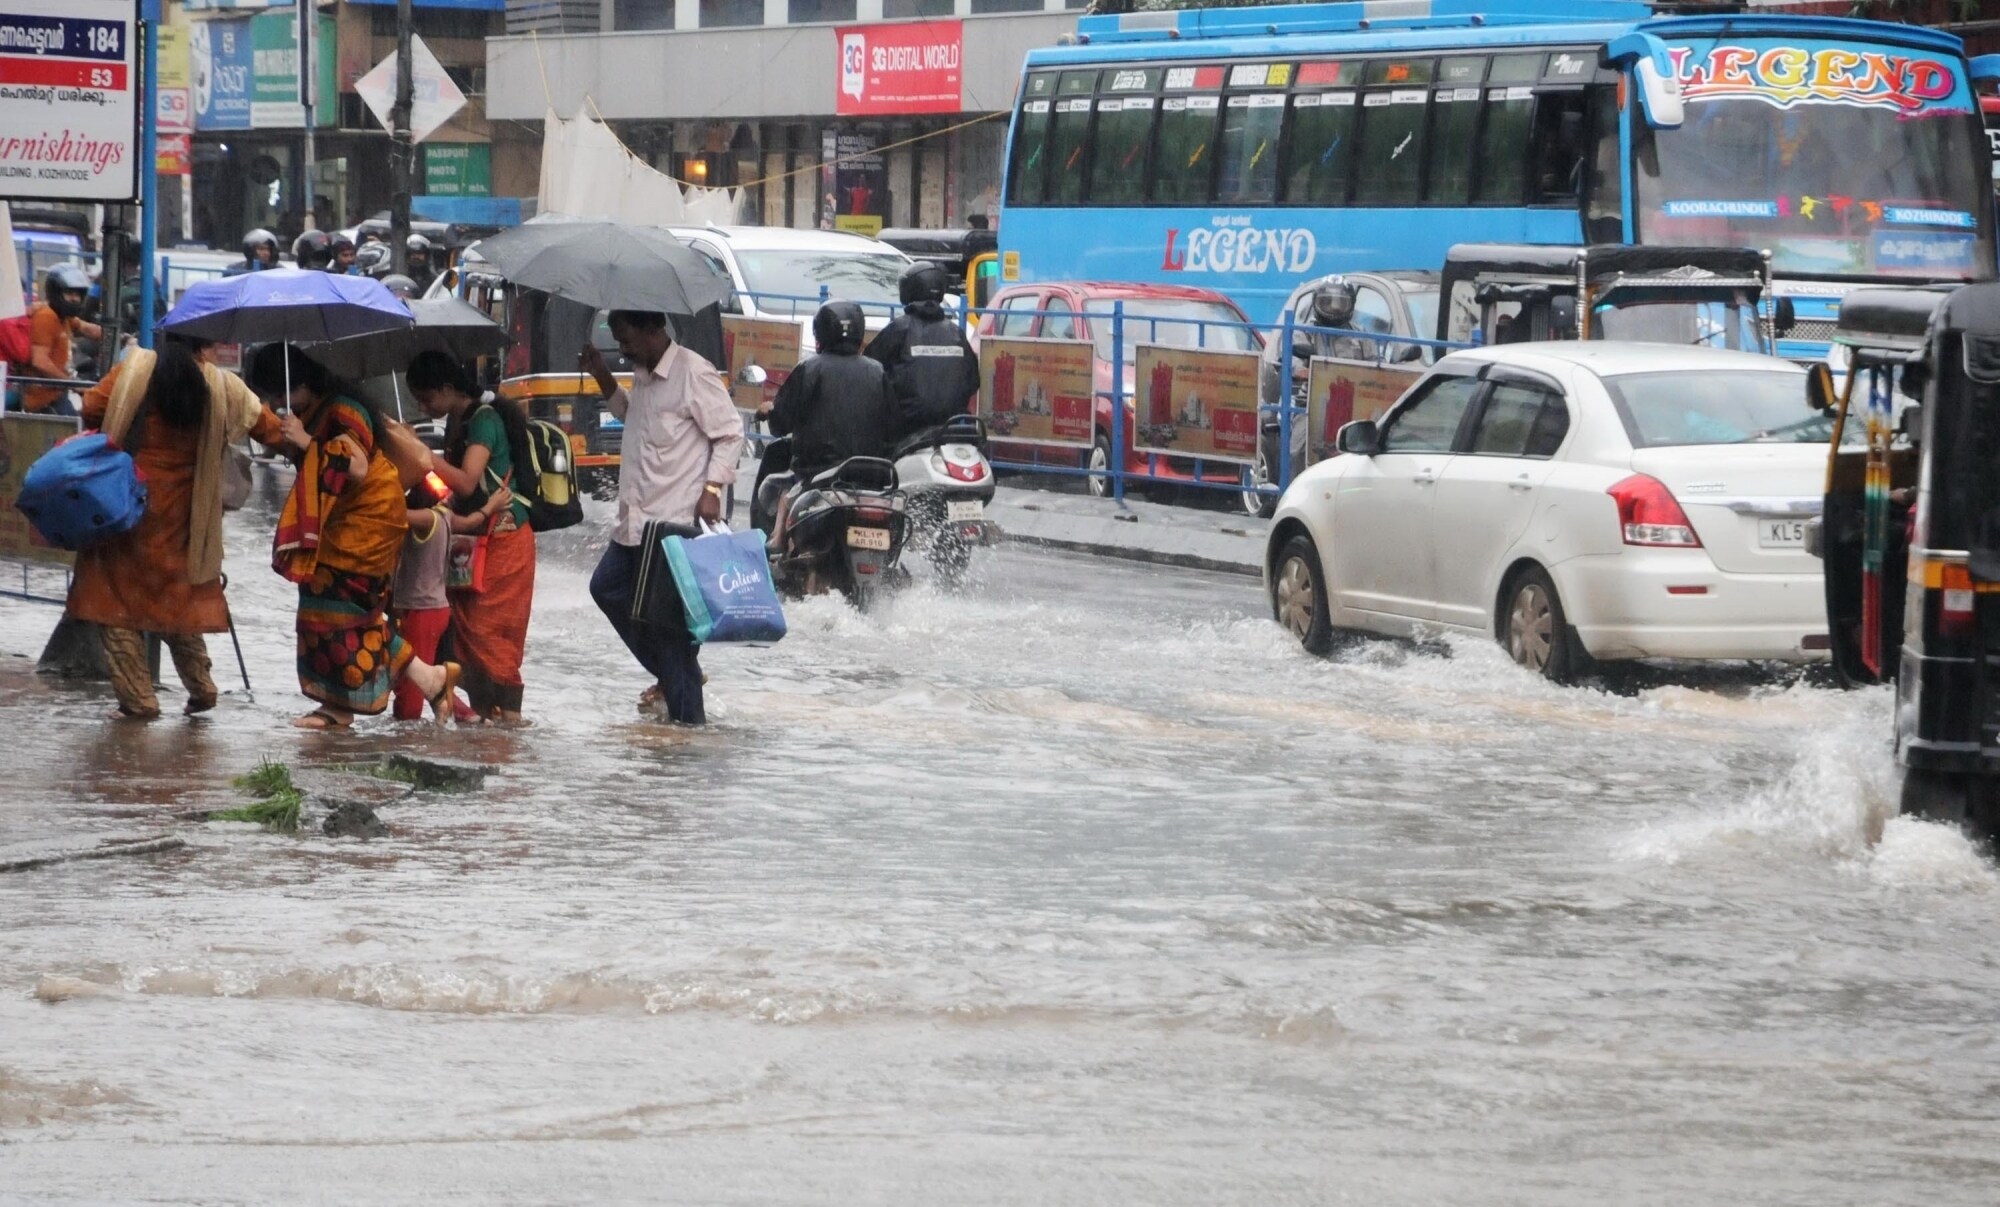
(279, 801)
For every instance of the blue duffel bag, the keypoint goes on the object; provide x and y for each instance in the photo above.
(725, 585)
(83, 491)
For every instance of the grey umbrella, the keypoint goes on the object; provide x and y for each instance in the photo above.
(609, 265)
(444, 324)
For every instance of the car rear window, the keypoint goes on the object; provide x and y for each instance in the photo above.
(1181, 322)
(1709, 406)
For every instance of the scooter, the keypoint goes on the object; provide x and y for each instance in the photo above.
(948, 482)
(846, 526)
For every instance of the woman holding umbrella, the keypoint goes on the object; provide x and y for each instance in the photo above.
(339, 537)
(490, 625)
(178, 415)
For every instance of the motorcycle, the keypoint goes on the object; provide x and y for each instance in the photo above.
(948, 482)
(846, 528)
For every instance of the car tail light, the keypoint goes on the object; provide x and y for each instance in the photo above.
(1956, 617)
(1649, 515)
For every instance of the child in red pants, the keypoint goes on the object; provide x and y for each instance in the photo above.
(421, 611)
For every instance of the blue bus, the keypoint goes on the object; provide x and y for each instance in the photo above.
(1246, 149)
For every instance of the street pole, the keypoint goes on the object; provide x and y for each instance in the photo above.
(149, 176)
(308, 86)
(402, 153)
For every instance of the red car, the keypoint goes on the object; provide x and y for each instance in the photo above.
(1157, 314)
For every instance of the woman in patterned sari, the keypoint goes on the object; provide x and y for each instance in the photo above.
(338, 538)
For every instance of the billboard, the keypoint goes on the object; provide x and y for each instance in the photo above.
(274, 82)
(911, 67)
(221, 59)
(1192, 403)
(69, 101)
(1036, 391)
(1338, 392)
(770, 344)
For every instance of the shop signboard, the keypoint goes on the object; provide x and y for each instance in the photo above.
(221, 59)
(899, 68)
(23, 438)
(1037, 391)
(174, 155)
(173, 71)
(1192, 403)
(458, 169)
(274, 87)
(770, 344)
(69, 100)
(1339, 392)
(175, 110)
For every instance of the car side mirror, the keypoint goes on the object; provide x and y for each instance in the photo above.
(1820, 394)
(1362, 438)
(752, 375)
(1407, 353)
(1784, 317)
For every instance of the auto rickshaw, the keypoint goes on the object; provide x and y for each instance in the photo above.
(1910, 533)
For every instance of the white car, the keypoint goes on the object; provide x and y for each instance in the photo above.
(778, 272)
(1576, 501)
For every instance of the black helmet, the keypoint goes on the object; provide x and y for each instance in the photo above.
(314, 249)
(254, 239)
(924, 281)
(373, 259)
(400, 285)
(65, 288)
(840, 328)
(1333, 303)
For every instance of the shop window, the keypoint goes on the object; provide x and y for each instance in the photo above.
(899, 10)
(717, 13)
(1320, 147)
(643, 14)
(800, 12)
(1391, 166)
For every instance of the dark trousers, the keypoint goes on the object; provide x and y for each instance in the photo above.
(669, 656)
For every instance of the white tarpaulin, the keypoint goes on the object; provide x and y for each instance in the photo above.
(588, 173)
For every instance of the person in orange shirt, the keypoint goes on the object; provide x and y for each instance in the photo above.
(52, 322)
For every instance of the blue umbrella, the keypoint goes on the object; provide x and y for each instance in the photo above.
(285, 304)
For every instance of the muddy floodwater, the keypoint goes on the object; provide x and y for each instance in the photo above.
(1082, 885)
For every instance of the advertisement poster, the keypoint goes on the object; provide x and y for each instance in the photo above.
(1038, 391)
(174, 155)
(1192, 403)
(274, 84)
(69, 89)
(1338, 392)
(770, 344)
(899, 69)
(220, 58)
(173, 69)
(23, 438)
(854, 182)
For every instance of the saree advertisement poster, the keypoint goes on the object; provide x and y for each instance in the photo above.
(770, 344)
(1036, 391)
(1338, 392)
(1192, 403)
(23, 439)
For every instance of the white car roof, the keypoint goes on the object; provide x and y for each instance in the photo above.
(1610, 358)
(786, 239)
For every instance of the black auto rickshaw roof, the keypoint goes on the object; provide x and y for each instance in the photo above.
(957, 246)
(1898, 321)
(1601, 259)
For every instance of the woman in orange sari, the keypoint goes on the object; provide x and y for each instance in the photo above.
(339, 537)
(178, 415)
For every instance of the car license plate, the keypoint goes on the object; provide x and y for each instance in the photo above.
(869, 538)
(1781, 534)
(964, 509)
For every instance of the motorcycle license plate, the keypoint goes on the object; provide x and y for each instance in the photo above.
(869, 538)
(964, 509)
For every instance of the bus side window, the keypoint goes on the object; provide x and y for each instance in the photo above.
(1454, 140)
(1503, 159)
(1250, 125)
(1604, 200)
(1118, 150)
(1391, 163)
(1560, 146)
(1183, 156)
(1028, 173)
(1317, 149)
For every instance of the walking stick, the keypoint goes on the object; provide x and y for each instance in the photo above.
(241, 665)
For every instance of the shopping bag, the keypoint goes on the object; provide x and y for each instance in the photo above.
(725, 585)
(83, 491)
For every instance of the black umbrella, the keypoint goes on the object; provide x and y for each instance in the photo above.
(444, 324)
(609, 265)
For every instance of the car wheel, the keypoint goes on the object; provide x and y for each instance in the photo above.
(1098, 484)
(1534, 630)
(1255, 502)
(1299, 599)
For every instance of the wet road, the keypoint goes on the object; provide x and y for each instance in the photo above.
(1081, 886)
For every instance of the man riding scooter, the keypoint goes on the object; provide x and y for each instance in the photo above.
(835, 405)
(933, 372)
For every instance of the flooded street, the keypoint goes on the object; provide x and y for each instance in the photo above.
(1082, 885)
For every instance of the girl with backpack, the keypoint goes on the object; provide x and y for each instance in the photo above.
(489, 616)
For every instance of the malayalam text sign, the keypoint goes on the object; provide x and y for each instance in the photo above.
(1339, 392)
(1192, 403)
(1037, 391)
(909, 67)
(69, 107)
(770, 344)
(23, 439)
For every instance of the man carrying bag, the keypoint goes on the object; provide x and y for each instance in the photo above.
(683, 436)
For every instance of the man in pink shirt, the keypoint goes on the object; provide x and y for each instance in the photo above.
(683, 436)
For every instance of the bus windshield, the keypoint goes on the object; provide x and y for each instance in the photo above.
(1864, 162)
